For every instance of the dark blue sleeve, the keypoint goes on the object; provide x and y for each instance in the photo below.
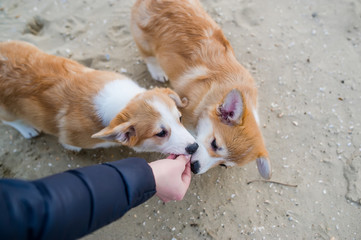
(72, 204)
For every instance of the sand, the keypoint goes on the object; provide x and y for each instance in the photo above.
(306, 59)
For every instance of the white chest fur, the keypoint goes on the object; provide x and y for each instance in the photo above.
(114, 97)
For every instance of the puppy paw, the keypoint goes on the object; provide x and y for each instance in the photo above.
(71, 148)
(155, 70)
(159, 76)
(29, 133)
(25, 130)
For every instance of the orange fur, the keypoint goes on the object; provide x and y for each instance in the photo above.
(182, 37)
(36, 87)
(56, 95)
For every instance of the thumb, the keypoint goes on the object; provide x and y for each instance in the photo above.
(186, 175)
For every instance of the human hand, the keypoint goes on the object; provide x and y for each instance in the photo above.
(172, 177)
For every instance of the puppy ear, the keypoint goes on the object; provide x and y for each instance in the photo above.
(231, 110)
(173, 95)
(121, 133)
(264, 167)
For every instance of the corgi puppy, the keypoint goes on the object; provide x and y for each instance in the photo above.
(86, 108)
(179, 41)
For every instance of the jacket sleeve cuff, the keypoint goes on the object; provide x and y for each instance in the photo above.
(138, 178)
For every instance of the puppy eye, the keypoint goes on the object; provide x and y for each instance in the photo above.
(180, 118)
(162, 133)
(214, 145)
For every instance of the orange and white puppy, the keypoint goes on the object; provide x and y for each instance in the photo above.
(86, 108)
(180, 42)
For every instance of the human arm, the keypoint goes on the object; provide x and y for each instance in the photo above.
(74, 203)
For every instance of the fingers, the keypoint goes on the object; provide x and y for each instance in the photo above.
(173, 177)
(186, 170)
(186, 175)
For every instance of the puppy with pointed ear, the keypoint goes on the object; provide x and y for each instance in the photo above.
(230, 112)
(222, 95)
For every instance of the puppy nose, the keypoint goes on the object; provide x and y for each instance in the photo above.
(195, 167)
(192, 148)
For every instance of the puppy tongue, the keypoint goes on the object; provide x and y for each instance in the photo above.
(172, 156)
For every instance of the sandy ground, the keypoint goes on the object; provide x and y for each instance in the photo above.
(306, 59)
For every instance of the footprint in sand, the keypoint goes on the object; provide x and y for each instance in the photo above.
(35, 26)
(352, 174)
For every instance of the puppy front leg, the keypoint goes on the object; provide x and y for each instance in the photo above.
(26, 130)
